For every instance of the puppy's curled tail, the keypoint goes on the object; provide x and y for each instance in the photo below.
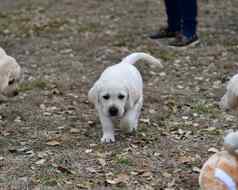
(134, 57)
(231, 143)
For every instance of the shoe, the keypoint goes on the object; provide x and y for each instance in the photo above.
(163, 33)
(183, 41)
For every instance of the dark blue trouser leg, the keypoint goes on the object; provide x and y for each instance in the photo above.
(173, 14)
(189, 17)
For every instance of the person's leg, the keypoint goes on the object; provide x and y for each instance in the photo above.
(189, 17)
(173, 15)
(173, 21)
(188, 36)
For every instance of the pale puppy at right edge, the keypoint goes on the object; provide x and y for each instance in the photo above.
(230, 99)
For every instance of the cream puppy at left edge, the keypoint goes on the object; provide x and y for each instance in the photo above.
(118, 95)
(10, 73)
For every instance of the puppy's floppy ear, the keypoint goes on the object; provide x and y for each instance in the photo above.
(133, 96)
(93, 94)
(17, 72)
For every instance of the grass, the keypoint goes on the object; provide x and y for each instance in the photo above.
(88, 27)
(123, 159)
(21, 24)
(40, 84)
(50, 176)
(203, 107)
(167, 55)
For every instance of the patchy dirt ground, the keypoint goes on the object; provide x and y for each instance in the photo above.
(49, 134)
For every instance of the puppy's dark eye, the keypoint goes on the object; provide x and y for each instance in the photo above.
(106, 97)
(121, 96)
(10, 82)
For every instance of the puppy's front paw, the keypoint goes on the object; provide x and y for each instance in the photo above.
(108, 138)
(133, 128)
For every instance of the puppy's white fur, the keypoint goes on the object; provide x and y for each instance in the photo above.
(9, 73)
(120, 87)
(231, 142)
(230, 98)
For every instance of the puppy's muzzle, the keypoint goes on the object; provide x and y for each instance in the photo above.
(113, 111)
(14, 93)
(11, 93)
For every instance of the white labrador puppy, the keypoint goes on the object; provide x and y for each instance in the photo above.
(230, 99)
(9, 74)
(118, 94)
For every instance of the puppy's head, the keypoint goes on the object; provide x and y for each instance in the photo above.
(10, 73)
(111, 98)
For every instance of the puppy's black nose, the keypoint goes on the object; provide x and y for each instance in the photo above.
(113, 111)
(12, 93)
(15, 93)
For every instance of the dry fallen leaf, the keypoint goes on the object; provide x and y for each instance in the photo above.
(88, 151)
(147, 174)
(84, 185)
(74, 130)
(53, 143)
(64, 170)
(5, 133)
(102, 162)
(144, 173)
(121, 178)
(185, 159)
(145, 120)
(214, 150)
(211, 129)
(42, 154)
(166, 174)
(40, 162)
(91, 170)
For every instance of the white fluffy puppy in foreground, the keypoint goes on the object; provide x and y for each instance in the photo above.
(118, 94)
(230, 99)
(9, 74)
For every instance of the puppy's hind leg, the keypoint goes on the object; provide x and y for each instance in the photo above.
(132, 116)
(107, 129)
